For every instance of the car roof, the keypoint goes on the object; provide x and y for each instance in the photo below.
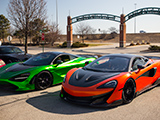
(6, 46)
(57, 53)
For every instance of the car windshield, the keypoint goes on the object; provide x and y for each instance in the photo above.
(40, 59)
(109, 64)
(10, 50)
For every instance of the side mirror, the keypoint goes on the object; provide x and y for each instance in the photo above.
(86, 63)
(59, 62)
(140, 67)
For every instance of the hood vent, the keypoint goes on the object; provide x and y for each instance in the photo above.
(18, 67)
(86, 78)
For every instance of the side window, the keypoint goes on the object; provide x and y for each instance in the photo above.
(137, 61)
(72, 57)
(63, 58)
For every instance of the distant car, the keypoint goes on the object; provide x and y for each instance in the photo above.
(41, 70)
(2, 63)
(111, 80)
(11, 54)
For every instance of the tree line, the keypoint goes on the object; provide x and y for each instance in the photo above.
(84, 29)
(27, 18)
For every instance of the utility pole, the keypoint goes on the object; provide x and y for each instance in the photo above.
(57, 14)
(135, 20)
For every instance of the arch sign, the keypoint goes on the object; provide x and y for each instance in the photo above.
(122, 19)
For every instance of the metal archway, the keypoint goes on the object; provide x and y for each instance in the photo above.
(142, 11)
(96, 16)
(122, 19)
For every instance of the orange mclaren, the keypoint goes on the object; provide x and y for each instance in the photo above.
(111, 80)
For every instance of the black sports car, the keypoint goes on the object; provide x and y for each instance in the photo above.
(11, 54)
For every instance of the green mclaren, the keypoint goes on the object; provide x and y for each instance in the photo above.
(41, 71)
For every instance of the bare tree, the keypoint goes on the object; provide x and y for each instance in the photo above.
(11, 30)
(19, 34)
(35, 27)
(113, 32)
(83, 29)
(103, 33)
(112, 29)
(91, 33)
(22, 12)
(53, 33)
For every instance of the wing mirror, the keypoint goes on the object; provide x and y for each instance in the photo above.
(86, 63)
(59, 62)
(140, 67)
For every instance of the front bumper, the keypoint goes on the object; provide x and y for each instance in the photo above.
(18, 86)
(96, 101)
(8, 86)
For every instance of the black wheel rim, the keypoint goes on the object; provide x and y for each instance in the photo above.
(44, 80)
(129, 91)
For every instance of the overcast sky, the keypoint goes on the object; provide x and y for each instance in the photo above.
(148, 23)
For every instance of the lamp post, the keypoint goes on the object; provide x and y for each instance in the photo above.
(135, 20)
(57, 14)
(42, 37)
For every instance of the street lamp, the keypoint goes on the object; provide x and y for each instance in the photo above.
(57, 14)
(135, 20)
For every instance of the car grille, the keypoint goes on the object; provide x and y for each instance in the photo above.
(8, 86)
(94, 100)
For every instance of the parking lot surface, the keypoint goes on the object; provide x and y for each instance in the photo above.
(47, 105)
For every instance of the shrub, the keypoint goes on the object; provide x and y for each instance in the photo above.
(64, 45)
(154, 48)
(148, 43)
(143, 43)
(6, 43)
(132, 43)
(137, 43)
(75, 45)
(78, 44)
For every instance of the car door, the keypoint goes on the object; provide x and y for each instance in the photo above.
(143, 77)
(65, 66)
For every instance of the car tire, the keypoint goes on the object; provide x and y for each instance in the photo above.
(129, 89)
(43, 80)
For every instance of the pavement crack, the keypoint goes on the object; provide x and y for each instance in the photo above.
(14, 101)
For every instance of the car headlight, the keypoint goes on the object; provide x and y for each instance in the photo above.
(20, 77)
(110, 84)
(64, 79)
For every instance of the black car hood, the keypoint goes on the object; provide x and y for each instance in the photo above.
(87, 78)
(18, 67)
(20, 56)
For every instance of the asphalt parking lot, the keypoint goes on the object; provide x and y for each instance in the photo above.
(101, 50)
(46, 104)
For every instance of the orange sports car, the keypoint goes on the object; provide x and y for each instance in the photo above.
(111, 80)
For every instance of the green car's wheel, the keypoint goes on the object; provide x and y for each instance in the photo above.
(43, 80)
(129, 89)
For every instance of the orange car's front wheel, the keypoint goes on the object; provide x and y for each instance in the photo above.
(129, 89)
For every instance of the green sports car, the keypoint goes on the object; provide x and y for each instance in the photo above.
(41, 70)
